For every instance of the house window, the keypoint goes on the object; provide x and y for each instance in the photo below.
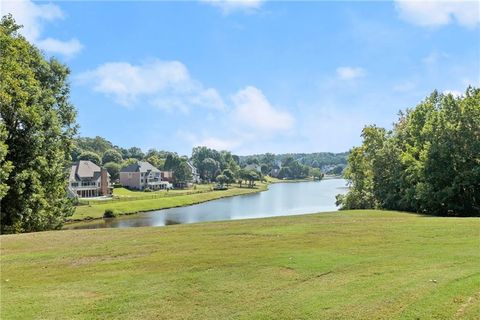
(74, 184)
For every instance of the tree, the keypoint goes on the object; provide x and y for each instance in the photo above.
(171, 162)
(112, 155)
(182, 173)
(113, 169)
(221, 179)
(155, 161)
(209, 167)
(38, 125)
(229, 175)
(128, 162)
(98, 144)
(284, 173)
(90, 156)
(428, 163)
(248, 175)
(316, 173)
(5, 165)
(136, 153)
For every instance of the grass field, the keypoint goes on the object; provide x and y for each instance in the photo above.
(158, 200)
(344, 265)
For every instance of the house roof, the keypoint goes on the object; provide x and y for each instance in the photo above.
(140, 166)
(192, 167)
(84, 169)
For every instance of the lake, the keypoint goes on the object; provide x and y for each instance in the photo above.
(281, 199)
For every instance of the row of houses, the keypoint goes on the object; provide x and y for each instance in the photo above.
(88, 180)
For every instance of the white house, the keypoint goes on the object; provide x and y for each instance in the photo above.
(142, 175)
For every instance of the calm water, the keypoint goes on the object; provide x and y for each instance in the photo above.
(282, 199)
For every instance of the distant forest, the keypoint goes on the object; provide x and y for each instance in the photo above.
(314, 160)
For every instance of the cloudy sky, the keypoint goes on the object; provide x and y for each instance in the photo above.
(252, 76)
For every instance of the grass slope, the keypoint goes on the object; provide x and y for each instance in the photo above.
(174, 198)
(346, 265)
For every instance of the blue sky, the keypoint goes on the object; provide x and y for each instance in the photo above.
(252, 76)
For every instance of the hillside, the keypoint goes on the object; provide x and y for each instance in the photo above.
(342, 265)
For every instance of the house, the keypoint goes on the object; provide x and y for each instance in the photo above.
(142, 175)
(195, 174)
(253, 167)
(88, 180)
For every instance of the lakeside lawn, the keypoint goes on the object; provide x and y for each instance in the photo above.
(136, 201)
(342, 265)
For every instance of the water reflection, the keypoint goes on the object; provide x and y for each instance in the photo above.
(281, 199)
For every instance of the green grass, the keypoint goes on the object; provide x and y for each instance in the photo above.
(146, 201)
(345, 265)
(125, 193)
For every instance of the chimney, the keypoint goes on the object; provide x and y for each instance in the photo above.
(104, 190)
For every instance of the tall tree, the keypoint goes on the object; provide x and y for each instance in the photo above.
(112, 155)
(428, 163)
(90, 156)
(182, 173)
(40, 124)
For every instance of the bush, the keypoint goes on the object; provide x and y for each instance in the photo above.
(109, 213)
(147, 190)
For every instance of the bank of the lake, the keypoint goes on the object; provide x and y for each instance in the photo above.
(281, 199)
(163, 201)
(341, 265)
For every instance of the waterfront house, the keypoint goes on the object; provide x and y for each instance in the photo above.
(88, 180)
(194, 171)
(142, 175)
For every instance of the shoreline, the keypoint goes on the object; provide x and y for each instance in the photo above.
(125, 208)
(204, 197)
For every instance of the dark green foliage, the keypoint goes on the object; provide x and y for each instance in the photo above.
(112, 155)
(97, 145)
(429, 162)
(171, 162)
(109, 213)
(135, 152)
(90, 156)
(182, 173)
(292, 169)
(37, 126)
(5, 165)
(221, 179)
(113, 169)
(250, 176)
(314, 160)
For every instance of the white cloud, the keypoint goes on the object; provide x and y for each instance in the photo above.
(66, 48)
(436, 13)
(33, 16)
(230, 6)
(349, 73)
(251, 120)
(165, 84)
(252, 109)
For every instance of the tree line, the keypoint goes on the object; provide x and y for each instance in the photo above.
(428, 163)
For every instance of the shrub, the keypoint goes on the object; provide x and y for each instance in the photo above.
(147, 190)
(109, 213)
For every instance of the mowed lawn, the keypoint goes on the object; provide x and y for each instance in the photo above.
(163, 200)
(344, 265)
